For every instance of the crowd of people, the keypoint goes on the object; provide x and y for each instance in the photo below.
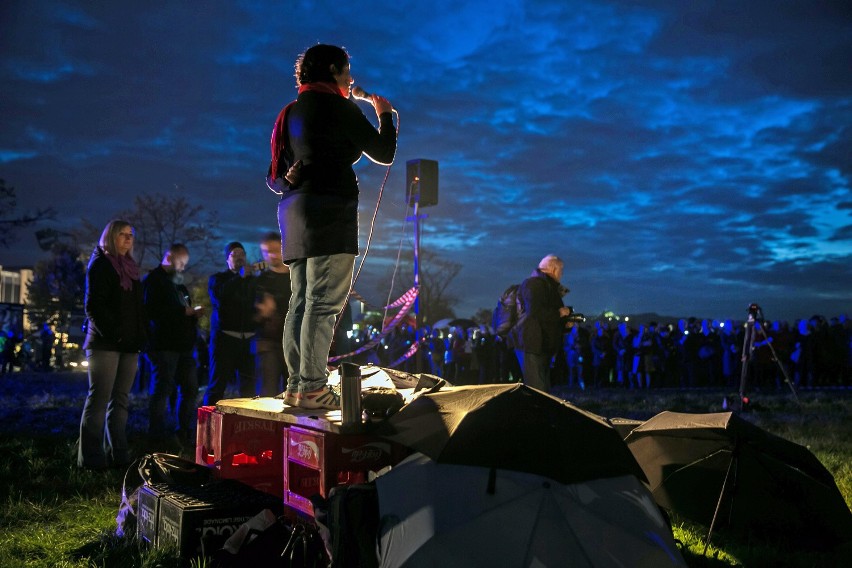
(278, 316)
(813, 352)
(274, 324)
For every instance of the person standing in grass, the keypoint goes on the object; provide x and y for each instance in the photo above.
(115, 334)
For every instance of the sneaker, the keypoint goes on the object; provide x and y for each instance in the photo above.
(323, 398)
(291, 398)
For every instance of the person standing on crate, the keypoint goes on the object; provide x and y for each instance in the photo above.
(172, 329)
(115, 334)
(315, 141)
(232, 326)
(273, 298)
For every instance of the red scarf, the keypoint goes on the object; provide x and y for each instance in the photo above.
(279, 139)
(127, 269)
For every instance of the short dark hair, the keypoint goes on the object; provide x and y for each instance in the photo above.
(314, 65)
(178, 248)
(271, 236)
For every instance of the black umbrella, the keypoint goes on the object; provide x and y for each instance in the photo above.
(513, 427)
(463, 323)
(726, 473)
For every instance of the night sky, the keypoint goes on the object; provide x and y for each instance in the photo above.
(685, 158)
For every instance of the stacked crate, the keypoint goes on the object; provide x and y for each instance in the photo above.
(243, 448)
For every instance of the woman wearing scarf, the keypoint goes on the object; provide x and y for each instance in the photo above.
(115, 333)
(315, 142)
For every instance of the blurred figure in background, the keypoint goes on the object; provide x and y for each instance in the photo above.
(273, 299)
(232, 326)
(172, 329)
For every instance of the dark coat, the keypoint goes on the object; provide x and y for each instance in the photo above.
(328, 134)
(115, 317)
(169, 328)
(232, 297)
(540, 327)
(270, 331)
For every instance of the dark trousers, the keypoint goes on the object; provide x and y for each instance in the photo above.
(273, 371)
(170, 369)
(508, 367)
(536, 367)
(231, 358)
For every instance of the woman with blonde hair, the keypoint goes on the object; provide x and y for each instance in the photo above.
(115, 334)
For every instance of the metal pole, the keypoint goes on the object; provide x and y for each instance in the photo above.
(418, 320)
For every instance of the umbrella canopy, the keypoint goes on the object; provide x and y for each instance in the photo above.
(514, 427)
(761, 484)
(441, 324)
(443, 515)
(463, 323)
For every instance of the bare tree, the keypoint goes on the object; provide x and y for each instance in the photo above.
(9, 222)
(159, 221)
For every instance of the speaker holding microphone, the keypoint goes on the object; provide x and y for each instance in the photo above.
(421, 182)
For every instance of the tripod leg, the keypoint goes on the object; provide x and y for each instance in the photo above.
(780, 366)
(748, 346)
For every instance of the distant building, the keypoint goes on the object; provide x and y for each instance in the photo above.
(13, 284)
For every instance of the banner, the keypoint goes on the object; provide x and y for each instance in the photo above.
(407, 302)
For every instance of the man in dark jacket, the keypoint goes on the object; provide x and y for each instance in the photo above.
(232, 326)
(315, 142)
(538, 334)
(172, 329)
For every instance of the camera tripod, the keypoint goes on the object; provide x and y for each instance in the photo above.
(755, 324)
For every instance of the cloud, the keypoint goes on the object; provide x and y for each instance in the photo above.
(682, 156)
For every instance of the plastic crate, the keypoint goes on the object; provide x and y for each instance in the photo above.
(317, 461)
(243, 448)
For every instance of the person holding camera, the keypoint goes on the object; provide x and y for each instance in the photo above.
(537, 336)
(232, 326)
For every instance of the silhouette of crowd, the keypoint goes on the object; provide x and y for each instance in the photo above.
(691, 353)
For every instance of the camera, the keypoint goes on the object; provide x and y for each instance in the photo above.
(754, 311)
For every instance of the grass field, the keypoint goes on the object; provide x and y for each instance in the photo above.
(54, 515)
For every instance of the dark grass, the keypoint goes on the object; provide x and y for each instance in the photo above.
(55, 515)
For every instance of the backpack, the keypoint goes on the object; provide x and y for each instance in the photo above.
(505, 315)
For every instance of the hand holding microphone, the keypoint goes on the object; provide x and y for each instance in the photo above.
(381, 104)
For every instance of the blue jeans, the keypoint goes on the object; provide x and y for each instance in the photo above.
(111, 376)
(320, 286)
(170, 369)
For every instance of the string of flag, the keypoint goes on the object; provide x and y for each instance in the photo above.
(406, 301)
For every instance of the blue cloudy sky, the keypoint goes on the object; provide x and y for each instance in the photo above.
(683, 157)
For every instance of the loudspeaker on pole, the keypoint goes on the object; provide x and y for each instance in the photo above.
(421, 182)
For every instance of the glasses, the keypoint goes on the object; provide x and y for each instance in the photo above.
(126, 235)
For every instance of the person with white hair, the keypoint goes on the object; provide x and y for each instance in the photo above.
(537, 336)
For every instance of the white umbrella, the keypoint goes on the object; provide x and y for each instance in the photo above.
(453, 515)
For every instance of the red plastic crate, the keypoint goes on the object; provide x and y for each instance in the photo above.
(317, 461)
(247, 449)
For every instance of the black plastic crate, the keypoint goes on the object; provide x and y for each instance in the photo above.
(210, 513)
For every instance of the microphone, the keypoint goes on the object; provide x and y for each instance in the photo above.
(361, 94)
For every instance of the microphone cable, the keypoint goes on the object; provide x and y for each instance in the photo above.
(369, 233)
